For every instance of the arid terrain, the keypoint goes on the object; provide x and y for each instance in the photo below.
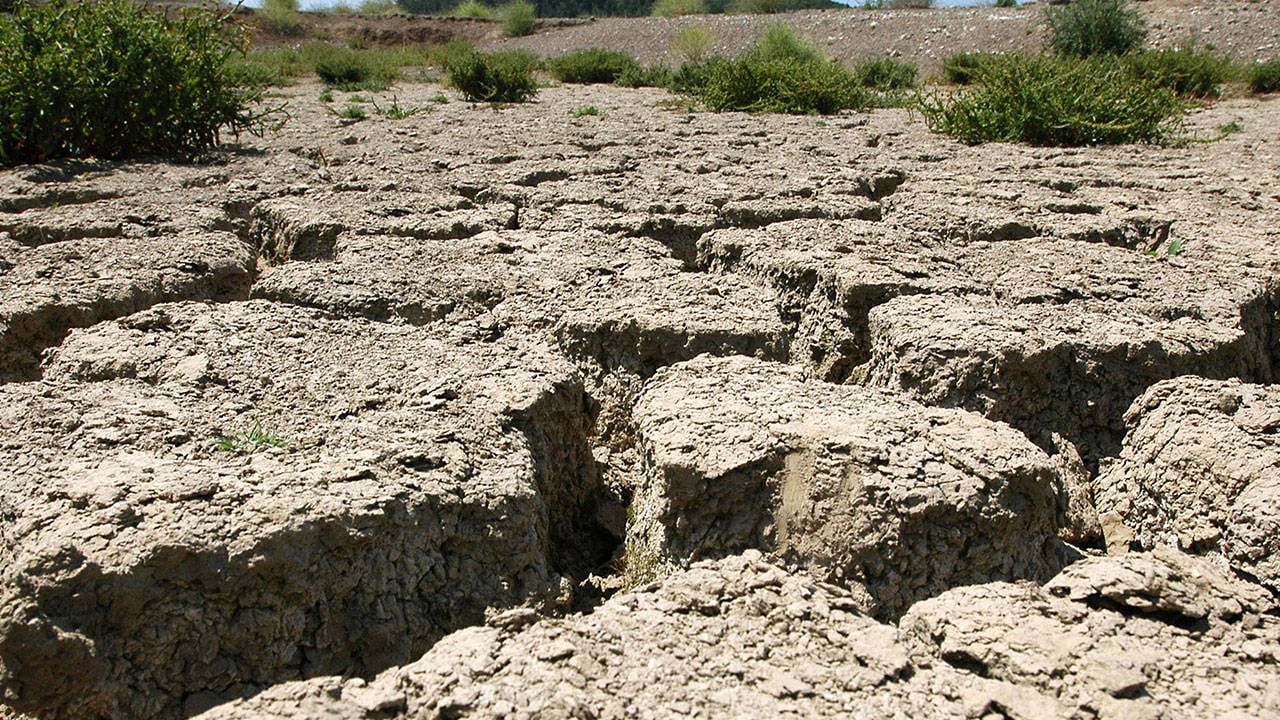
(517, 411)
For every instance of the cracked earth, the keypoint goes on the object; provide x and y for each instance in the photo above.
(644, 414)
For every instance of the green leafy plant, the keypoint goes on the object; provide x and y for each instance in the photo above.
(781, 73)
(638, 76)
(1264, 77)
(677, 8)
(1060, 101)
(1095, 27)
(519, 18)
(1006, 3)
(693, 43)
(960, 68)
(494, 77)
(326, 95)
(251, 438)
(593, 65)
(1186, 71)
(114, 79)
(587, 111)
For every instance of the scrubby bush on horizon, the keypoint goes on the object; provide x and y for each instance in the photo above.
(1095, 27)
(781, 73)
(1057, 101)
(592, 65)
(519, 18)
(471, 9)
(693, 43)
(493, 77)
(348, 69)
(678, 8)
(113, 79)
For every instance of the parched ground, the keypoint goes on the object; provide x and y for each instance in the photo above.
(862, 420)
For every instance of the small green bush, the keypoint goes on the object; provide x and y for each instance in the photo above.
(693, 43)
(678, 8)
(1006, 3)
(1186, 71)
(781, 73)
(494, 77)
(471, 9)
(960, 68)
(1264, 77)
(1057, 101)
(1095, 27)
(348, 69)
(280, 17)
(593, 65)
(885, 73)
(519, 18)
(655, 76)
(114, 79)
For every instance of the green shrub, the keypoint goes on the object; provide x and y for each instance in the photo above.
(655, 76)
(113, 79)
(593, 65)
(1186, 71)
(280, 17)
(471, 9)
(494, 77)
(587, 110)
(960, 68)
(1006, 3)
(693, 43)
(348, 69)
(1265, 77)
(519, 18)
(885, 73)
(677, 8)
(1095, 27)
(1058, 101)
(780, 73)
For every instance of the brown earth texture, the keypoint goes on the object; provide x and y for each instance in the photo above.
(513, 412)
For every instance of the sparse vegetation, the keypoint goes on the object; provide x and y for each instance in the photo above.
(396, 111)
(1186, 71)
(1264, 77)
(494, 77)
(781, 73)
(1061, 101)
(379, 67)
(519, 18)
(587, 111)
(885, 73)
(251, 438)
(1095, 27)
(353, 112)
(677, 8)
(114, 79)
(593, 65)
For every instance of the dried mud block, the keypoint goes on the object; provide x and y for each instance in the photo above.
(1043, 368)
(52, 288)
(612, 302)
(733, 638)
(207, 499)
(306, 228)
(1142, 636)
(829, 276)
(1200, 469)
(861, 486)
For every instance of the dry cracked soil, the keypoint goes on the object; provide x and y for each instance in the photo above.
(502, 412)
